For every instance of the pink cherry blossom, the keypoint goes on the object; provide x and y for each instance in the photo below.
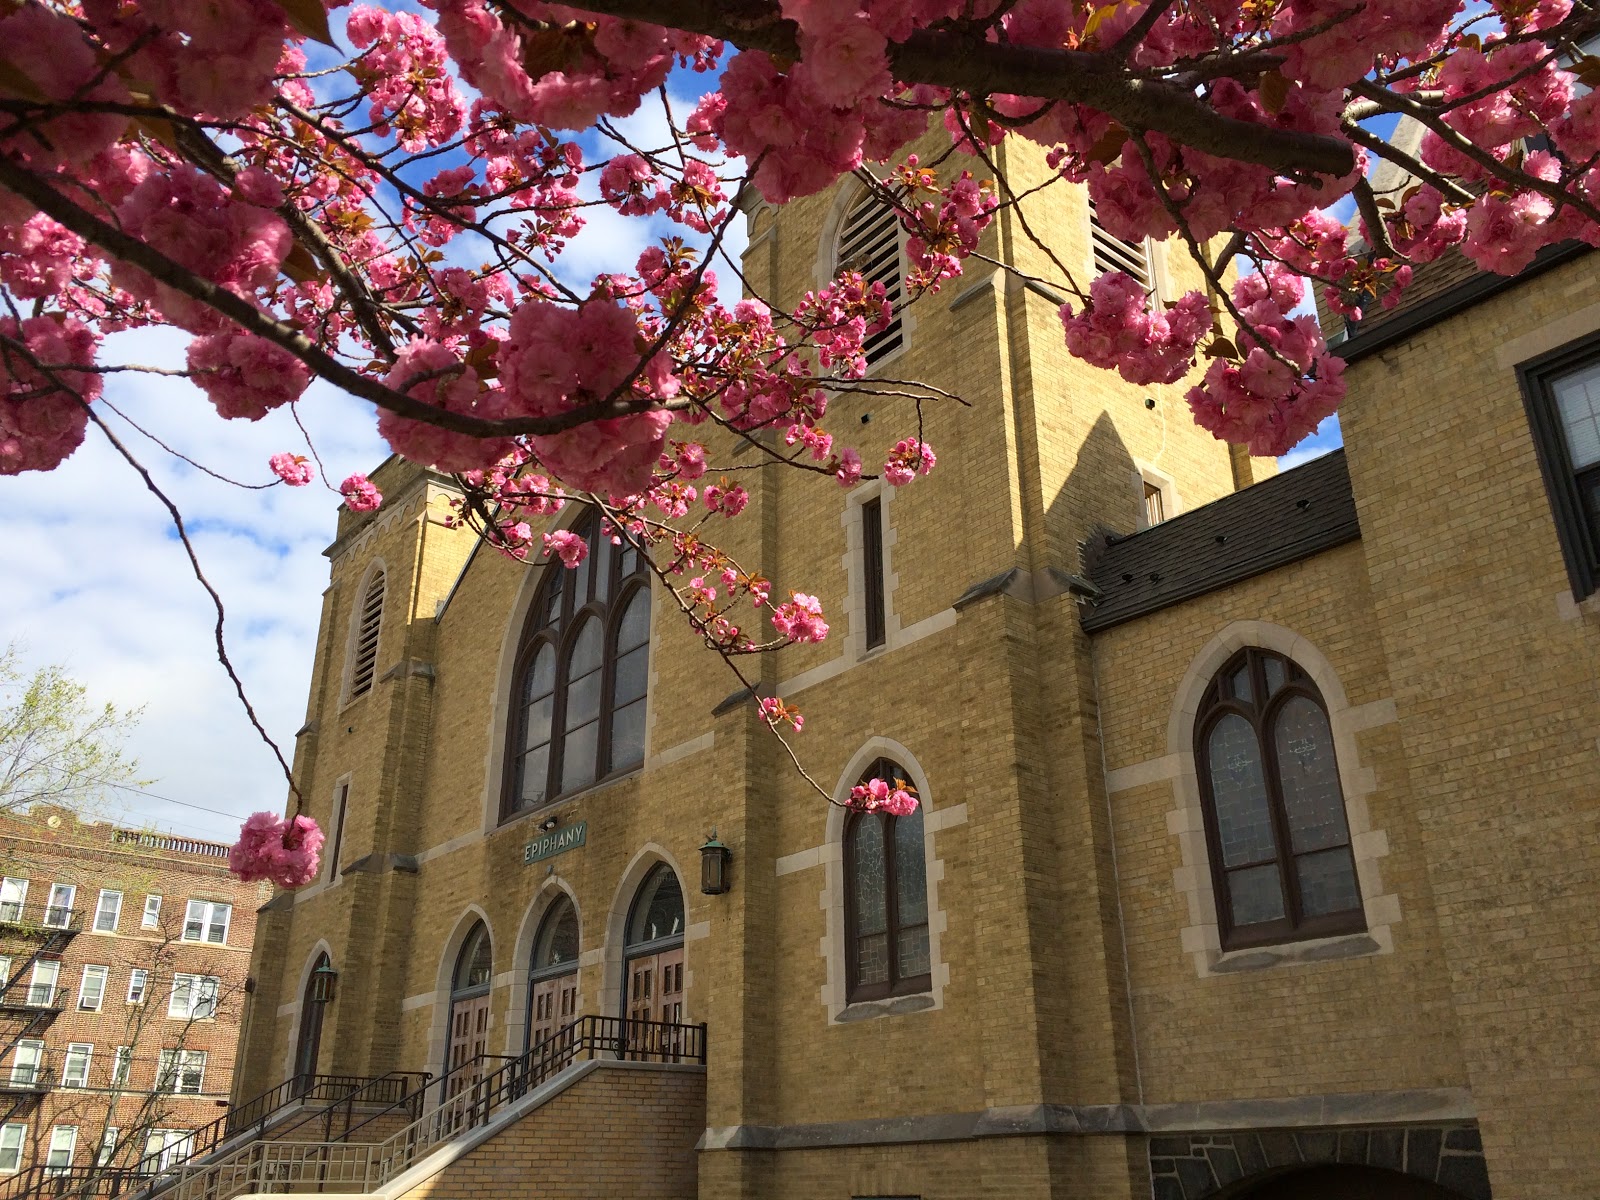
(293, 469)
(245, 376)
(567, 546)
(285, 851)
(360, 495)
(800, 618)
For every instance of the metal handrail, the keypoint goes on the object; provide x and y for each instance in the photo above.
(37, 997)
(53, 916)
(391, 1090)
(443, 1081)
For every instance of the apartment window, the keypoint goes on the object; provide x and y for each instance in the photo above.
(1275, 820)
(1561, 391)
(138, 981)
(122, 1066)
(42, 987)
(13, 894)
(181, 1071)
(869, 242)
(207, 921)
(107, 912)
(108, 1146)
(1155, 505)
(364, 649)
(92, 991)
(886, 898)
(12, 1139)
(152, 913)
(341, 798)
(872, 570)
(578, 698)
(27, 1063)
(63, 1141)
(75, 1067)
(164, 1149)
(193, 996)
(58, 912)
(1111, 253)
(5, 971)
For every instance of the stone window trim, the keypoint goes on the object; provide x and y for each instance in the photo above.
(1146, 475)
(503, 715)
(294, 1007)
(855, 598)
(339, 812)
(1579, 539)
(550, 892)
(833, 224)
(377, 569)
(832, 948)
(1201, 938)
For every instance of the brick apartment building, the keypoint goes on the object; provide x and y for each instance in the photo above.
(123, 961)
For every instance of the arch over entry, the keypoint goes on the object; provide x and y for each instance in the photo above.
(470, 984)
(653, 948)
(1415, 1162)
(308, 1039)
(553, 972)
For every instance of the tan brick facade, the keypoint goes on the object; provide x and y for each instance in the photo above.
(1083, 1023)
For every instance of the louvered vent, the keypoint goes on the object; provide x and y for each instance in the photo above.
(366, 659)
(870, 243)
(1111, 253)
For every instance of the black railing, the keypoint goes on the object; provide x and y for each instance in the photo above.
(85, 1182)
(45, 917)
(618, 1038)
(397, 1090)
(26, 1077)
(33, 997)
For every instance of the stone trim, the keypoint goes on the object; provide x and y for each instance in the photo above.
(1201, 938)
(1200, 1121)
(550, 890)
(1199, 1166)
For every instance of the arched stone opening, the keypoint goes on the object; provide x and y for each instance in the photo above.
(1342, 1183)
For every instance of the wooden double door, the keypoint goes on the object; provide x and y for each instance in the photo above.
(469, 1038)
(655, 995)
(553, 1004)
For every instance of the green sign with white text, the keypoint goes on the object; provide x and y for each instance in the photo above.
(557, 841)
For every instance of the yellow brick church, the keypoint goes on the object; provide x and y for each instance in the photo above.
(1259, 846)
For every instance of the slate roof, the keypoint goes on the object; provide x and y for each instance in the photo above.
(1278, 521)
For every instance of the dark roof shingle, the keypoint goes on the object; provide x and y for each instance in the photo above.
(1278, 521)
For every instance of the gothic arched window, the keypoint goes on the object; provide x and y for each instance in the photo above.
(578, 694)
(1275, 819)
(886, 899)
(869, 242)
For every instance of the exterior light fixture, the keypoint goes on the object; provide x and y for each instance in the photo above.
(549, 823)
(323, 980)
(714, 860)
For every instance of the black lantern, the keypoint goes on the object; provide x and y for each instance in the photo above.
(322, 983)
(714, 859)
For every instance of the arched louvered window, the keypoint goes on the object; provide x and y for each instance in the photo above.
(1275, 819)
(886, 898)
(578, 695)
(364, 650)
(1111, 253)
(869, 242)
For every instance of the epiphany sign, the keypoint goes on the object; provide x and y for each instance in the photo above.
(559, 841)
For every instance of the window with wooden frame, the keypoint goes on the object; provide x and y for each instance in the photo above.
(1561, 391)
(364, 647)
(1155, 504)
(875, 605)
(341, 802)
(1274, 811)
(578, 692)
(886, 898)
(869, 242)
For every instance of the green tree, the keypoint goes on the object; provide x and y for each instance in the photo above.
(56, 747)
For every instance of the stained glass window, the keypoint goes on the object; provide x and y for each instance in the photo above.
(887, 897)
(1275, 816)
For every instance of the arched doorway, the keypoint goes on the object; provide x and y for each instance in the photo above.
(653, 955)
(1335, 1182)
(309, 1044)
(553, 973)
(469, 1009)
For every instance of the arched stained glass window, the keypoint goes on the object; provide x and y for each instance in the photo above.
(1275, 818)
(869, 242)
(886, 898)
(582, 673)
(475, 963)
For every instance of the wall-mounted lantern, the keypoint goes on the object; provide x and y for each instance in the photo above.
(323, 981)
(714, 860)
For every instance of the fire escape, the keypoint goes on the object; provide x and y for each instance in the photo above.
(28, 1004)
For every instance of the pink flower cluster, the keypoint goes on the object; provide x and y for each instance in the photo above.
(1119, 328)
(567, 546)
(286, 851)
(799, 618)
(412, 90)
(909, 458)
(360, 495)
(434, 373)
(293, 469)
(879, 795)
(44, 404)
(245, 376)
(1286, 382)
